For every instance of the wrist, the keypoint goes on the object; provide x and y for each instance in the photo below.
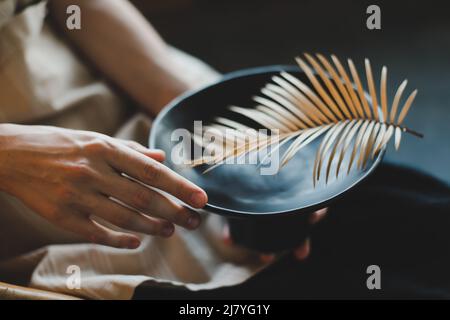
(173, 88)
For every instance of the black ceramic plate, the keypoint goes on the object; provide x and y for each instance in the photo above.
(240, 189)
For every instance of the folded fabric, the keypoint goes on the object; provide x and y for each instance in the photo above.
(196, 260)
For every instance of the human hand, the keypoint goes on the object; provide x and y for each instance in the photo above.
(69, 177)
(300, 253)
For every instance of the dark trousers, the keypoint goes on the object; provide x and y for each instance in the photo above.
(399, 220)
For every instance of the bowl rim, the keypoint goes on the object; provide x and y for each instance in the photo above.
(211, 208)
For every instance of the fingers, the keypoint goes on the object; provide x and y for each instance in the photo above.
(158, 155)
(128, 219)
(302, 252)
(96, 233)
(267, 258)
(226, 236)
(149, 201)
(318, 215)
(155, 174)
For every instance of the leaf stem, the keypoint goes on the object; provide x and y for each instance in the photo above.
(414, 133)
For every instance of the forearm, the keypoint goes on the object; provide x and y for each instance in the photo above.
(125, 47)
(9, 167)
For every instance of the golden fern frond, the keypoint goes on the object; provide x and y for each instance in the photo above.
(335, 107)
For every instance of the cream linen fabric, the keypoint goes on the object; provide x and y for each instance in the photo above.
(42, 81)
(7, 8)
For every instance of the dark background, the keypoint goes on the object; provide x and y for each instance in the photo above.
(414, 43)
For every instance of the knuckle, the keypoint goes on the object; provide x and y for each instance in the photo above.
(153, 227)
(80, 172)
(92, 206)
(156, 229)
(152, 172)
(134, 145)
(66, 194)
(180, 217)
(141, 200)
(97, 146)
(124, 220)
(181, 192)
(54, 214)
(97, 237)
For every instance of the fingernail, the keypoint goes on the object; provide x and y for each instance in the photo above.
(168, 230)
(227, 236)
(198, 199)
(193, 222)
(134, 243)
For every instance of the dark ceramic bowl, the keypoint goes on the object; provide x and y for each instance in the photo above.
(265, 212)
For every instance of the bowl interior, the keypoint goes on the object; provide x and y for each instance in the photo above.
(241, 189)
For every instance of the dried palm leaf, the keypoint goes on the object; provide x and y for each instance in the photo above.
(336, 107)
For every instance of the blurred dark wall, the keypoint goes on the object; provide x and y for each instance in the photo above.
(414, 43)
